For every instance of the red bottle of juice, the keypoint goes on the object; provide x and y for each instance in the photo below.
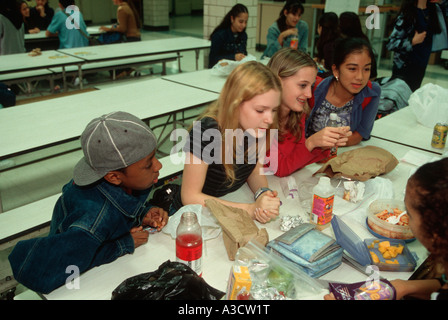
(189, 242)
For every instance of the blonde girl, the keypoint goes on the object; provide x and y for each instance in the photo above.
(248, 103)
(298, 71)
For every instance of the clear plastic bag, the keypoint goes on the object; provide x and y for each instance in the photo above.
(224, 67)
(429, 104)
(274, 277)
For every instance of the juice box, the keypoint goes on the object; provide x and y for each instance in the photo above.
(239, 281)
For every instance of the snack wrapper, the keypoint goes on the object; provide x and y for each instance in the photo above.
(354, 191)
(289, 187)
(369, 290)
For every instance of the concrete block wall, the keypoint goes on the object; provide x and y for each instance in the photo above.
(156, 14)
(215, 10)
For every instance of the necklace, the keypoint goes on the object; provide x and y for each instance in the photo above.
(335, 99)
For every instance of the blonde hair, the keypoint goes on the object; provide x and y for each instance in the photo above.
(246, 81)
(285, 63)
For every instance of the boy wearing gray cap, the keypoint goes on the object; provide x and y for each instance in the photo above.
(101, 213)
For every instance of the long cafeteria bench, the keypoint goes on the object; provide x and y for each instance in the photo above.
(51, 74)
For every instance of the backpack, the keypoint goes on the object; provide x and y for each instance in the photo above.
(7, 96)
(395, 94)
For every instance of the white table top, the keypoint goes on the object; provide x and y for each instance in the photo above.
(402, 127)
(27, 127)
(99, 282)
(92, 30)
(139, 48)
(203, 79)
(23, 62)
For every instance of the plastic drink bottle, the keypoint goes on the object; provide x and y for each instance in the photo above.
(189, 242)
(322, 205)
(333, 122)
(294, 43)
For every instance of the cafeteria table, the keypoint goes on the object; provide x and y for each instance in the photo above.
(21, 62)
(30, 127)
(402, 127)
(138, 49)
(99, 282)
(202, 79)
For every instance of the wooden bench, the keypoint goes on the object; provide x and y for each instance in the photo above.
(33, 219)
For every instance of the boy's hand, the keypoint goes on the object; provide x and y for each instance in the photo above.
(156, 218)
(139, 235)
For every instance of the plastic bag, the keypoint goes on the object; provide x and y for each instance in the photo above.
(209, 225)
(224, 67)
(429, 104)
(171, 281)
(273, 276)
(164, 196)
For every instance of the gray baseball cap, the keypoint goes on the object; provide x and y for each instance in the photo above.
(110, 142)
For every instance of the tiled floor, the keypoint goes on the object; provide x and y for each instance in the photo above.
(41, 179)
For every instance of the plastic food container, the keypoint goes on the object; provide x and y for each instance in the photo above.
(382, 228)
(361, 250)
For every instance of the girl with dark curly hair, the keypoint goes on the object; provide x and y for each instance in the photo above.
(427, 206)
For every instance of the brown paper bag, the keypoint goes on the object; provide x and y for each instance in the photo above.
(360, 164)
(237, 226)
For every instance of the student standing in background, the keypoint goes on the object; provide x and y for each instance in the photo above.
(411, 39)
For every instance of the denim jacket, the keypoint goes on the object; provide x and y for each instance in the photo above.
(90, 227)
(362, 119)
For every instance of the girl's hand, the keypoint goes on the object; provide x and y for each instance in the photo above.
(286, 33)
(267, 207)
(328, 137)
(239, 56)
(418, 38)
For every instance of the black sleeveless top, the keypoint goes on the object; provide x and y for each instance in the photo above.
(204, 142)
